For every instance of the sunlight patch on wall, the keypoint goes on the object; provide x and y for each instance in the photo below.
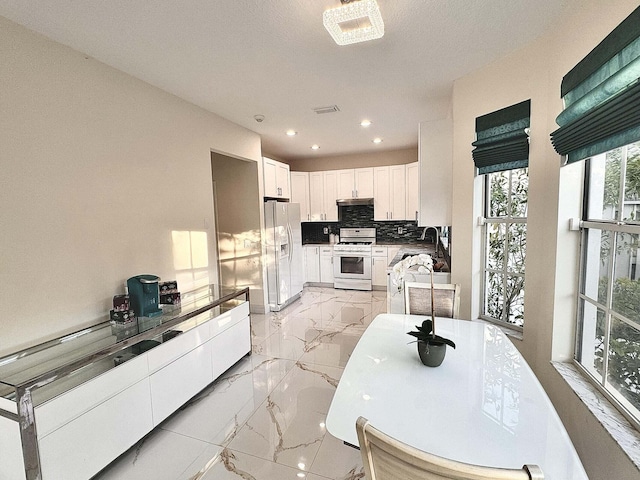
(190, 250)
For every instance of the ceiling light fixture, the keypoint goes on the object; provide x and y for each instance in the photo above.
(377, 140)
(354, 22)
(291, 133)
(365, 123)
(315, 147)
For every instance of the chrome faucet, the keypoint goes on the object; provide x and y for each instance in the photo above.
(424, 233)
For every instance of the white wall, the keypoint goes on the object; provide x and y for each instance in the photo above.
(535, 73)
(354, 160)
(435, 152)
(102, 177)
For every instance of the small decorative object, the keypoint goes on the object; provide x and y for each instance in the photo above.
(431, 347)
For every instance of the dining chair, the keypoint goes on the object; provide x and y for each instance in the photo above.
(446, 299)
(386, 458)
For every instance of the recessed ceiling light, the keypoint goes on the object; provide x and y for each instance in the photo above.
(377, 140)
(315, 147)
(292, 133)
(365, 123)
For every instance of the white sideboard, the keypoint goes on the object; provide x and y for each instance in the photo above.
(71, 406)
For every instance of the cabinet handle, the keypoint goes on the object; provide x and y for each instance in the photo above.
(308, 217)
(416, 215)
(356, 193)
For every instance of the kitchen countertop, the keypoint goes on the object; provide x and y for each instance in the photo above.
(429, 248)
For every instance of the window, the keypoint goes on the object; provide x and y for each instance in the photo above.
(505, 241)
(608, 344)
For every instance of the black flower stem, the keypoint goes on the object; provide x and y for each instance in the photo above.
(433, 316)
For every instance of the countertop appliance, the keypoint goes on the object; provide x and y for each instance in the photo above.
(145, 295)
(284, 253)
(352, 259)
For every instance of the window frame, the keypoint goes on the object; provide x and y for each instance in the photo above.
(508, 220)
(615, 227)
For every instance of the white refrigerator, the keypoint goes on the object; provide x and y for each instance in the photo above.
(284, 253)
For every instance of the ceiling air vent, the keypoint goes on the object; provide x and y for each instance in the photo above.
(329, 109)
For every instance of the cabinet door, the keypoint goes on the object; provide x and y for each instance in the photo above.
(346, 184)
(330, 196)
(413, 180)
(397, 193)
(326, 264)
(230, 346)
(176, 383)
(381, 187)
(282, 180)
(300, 193)
(84, 446)
(316, 196)
(379, 271)
(312, 264)
(364, 182)
(270, 175)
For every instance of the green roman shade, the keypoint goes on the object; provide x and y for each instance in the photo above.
(602, 96)
(502, 139)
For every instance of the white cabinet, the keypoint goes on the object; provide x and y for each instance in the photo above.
(379, 264)
(230, 345)
(435, 155)
(83, 447)
(176, 383)
(326, 264)
(389, 193)
(355, 183)
(323, 193)
(300, 193)
(311, 264)
(276, 179)
(97, 412)
(413, 197)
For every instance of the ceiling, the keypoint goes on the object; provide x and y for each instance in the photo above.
(240, 58)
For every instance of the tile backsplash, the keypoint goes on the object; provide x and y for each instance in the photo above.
(354, 216)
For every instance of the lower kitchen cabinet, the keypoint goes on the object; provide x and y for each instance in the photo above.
(379, 266)
(311, 264)
(80, 418)
(326, 264)
(318, 264)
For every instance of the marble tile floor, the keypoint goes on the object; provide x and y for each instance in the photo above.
(264, 418)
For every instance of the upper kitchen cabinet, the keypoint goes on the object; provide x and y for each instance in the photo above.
(300, 193)
(413, 190)
(276, 179)
(323, 193)
(355, 183)
(435, 154)
(389, 193)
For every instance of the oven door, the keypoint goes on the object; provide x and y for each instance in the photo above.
(354, 265)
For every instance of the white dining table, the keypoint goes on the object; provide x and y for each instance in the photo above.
(483, 405)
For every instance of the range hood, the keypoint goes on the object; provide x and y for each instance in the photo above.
(354, 201)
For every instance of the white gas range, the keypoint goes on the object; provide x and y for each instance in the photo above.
(352, 259)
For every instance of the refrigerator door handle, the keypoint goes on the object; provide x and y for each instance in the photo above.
(290, 237)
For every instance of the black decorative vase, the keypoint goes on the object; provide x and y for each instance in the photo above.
(431, 355)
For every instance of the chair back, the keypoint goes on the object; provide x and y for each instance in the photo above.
(386, 458)
(446, 299)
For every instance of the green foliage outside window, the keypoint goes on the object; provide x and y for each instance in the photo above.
(505, 248)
